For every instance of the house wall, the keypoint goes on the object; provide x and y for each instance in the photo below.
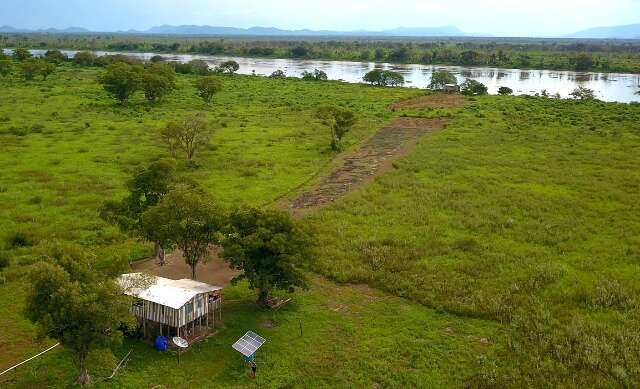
(192, 310)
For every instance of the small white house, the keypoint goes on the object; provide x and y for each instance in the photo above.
(172, 303)
(451, 88)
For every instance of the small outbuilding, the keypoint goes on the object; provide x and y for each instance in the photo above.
(173, 304)
(451, 88)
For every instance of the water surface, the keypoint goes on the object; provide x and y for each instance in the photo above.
(618, 87)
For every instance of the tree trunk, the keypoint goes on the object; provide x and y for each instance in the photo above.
(193, 271)
(190, 157)
(263, 297)
(159, 253)
(84, 378)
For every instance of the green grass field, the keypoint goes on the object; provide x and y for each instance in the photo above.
(503, 252)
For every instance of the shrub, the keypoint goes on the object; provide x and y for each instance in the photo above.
(278, 74)
(583, 94)
(84, 58)
(505, 90)
(229, 67)
(441, 78)
(21, 54)
(316, 75)
(20, 239)
(473, 88)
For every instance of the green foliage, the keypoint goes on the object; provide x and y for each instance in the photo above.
(583, 93)
(85, 58)
(339, 120)
(473, 88)
(190, 135)
(21, 54)
(158, 82)
(30, 68)
(121, 80)
(71, 302)
(145, 189)
(6, 66)
(269, 248)
(316, 75)
(187, 219)
(505, 91)
(207, 87)
(200, 67)
(441, 78)
(229, 67)
(583, 62)
(383, 78)
(278, 74)
(55, 56)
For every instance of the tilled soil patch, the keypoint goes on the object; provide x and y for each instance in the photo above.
(373, 158)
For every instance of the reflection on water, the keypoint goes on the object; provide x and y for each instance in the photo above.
(608, 87)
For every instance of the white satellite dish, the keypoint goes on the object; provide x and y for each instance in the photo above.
(180, 342)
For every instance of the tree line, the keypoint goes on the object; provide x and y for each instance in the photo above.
(614, 56)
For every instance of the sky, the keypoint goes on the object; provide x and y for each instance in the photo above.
(495, 17)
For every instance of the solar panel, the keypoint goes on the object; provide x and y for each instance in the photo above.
(249, 343)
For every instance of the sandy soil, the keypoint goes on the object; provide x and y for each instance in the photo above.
(214, 272)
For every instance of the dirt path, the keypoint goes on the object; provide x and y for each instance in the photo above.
(374, 157)
(214, 272)
(431, 101)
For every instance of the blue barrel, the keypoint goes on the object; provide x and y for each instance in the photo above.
(161, 343)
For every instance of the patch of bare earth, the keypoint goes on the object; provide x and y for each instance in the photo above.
(431, 101)
(214, 272)
(374, 157)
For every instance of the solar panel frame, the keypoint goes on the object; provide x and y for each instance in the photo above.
(248, 343)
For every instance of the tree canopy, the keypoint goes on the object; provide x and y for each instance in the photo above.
(316, 75)
(383, 78)
(269, 248)
(188, 219)
(207, 87)
(121, 80)
(583, 93)
(339, 120)
(229, 67)
(441, 78)
(72, 302)
(189, 135)
(473, 88)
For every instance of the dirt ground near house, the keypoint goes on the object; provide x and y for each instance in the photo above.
(372, 158)
(432, 101)
(214, 272)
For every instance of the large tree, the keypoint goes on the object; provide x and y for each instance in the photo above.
(188, 219)
(189, 135)
(270, 249)
(207, 87)
(146, 188)
(339, 120)
(72, 302)
(121, 80)
(21, 54)
(441, 78)
(229, 67)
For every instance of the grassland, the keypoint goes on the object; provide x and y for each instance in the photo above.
(502, 252)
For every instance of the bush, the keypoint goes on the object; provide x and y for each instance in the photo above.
(278, 74)
(317, 75)
(21, 239)
(5, 260)
(229, 67)
(21, 54)
(473, 88)
(84, 58)
(442, 78)
(582, 93)
(505, 90)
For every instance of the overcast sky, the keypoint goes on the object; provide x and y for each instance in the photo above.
(496, 17)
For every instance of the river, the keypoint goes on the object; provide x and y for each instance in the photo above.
(618, 87)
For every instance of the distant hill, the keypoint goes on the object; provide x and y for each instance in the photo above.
(630, 31)
(68, 30)
(271, 31)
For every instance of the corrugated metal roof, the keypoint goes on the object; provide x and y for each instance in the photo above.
(163, 291)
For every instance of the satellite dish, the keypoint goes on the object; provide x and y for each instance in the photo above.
(180, 342)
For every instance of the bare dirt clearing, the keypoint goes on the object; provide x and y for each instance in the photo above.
(432, 101)
(215, 271)
(372, 158)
